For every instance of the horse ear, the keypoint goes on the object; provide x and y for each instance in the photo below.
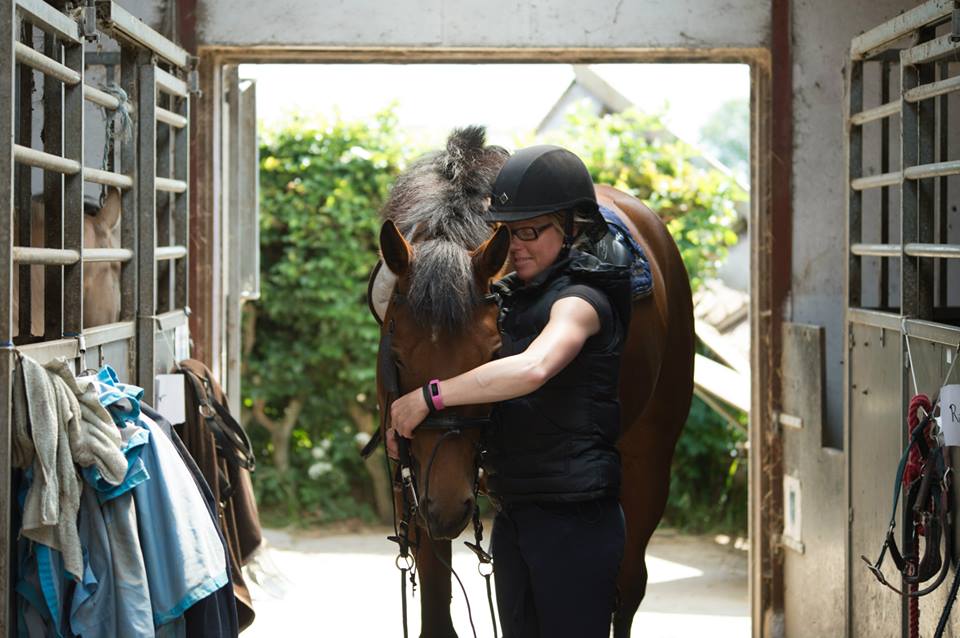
(394, 248)
(489, 257)
(109, 215)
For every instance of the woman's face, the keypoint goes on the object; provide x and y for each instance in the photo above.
(532, 257)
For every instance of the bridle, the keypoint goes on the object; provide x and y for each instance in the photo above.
(404, 481)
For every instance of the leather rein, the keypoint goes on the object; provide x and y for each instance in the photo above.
(404, 479)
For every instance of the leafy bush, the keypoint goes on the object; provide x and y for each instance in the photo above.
(309, 371)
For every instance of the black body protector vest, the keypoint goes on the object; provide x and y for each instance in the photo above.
(558, 444)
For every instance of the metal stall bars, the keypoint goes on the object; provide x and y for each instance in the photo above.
(114, 343)
(162, 170)
(62, 65)
(63, 297)
(880, 378)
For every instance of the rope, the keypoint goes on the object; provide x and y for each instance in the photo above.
(911, 472)
(114, 131)
(915, 460)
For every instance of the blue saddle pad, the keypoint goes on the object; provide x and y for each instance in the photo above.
(641, 281)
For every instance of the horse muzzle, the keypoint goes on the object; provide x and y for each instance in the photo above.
(446, 523)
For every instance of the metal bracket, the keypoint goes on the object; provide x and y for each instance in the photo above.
(782, 540)
(955, 22)
(781, 420)
(193, 77)
(88, 23)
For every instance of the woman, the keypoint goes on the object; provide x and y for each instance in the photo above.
(551, 459)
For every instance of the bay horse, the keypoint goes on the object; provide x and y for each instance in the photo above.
(434, 307)
(101, 280)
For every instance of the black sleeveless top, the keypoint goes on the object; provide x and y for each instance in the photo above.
(558, 443)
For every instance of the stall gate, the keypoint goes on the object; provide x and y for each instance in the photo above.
(903, 279)
(149, 165)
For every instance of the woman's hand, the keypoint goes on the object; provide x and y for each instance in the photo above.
(407, 412)
(393, 450)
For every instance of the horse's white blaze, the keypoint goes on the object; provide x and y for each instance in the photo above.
(381, 290)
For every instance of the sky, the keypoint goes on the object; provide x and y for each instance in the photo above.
(509, 99)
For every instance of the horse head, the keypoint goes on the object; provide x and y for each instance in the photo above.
(434, 305)
(445, 453)
(101, 280)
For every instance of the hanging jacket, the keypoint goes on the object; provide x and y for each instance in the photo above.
(216, 615)
(558, 443)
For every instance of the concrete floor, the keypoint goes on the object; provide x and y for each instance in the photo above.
(345, 584)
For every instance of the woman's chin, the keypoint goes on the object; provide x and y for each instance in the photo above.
(524, 270)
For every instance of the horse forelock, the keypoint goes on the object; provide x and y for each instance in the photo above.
(444, 194)
(438, 203)
(441, 292)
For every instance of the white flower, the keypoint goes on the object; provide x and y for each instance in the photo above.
(361, 438)
(319, 469)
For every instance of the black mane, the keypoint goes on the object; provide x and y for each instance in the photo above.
(438, 204)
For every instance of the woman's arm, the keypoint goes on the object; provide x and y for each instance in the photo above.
(572, 321)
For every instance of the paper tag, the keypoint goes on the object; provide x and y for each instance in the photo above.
(950, 413)
(171, 398)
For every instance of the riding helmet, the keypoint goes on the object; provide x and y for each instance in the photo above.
(544, 179)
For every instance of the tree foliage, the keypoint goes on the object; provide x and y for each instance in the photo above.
(309, 375)
(634, 152)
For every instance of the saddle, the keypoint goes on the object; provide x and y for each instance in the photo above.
(619, 248)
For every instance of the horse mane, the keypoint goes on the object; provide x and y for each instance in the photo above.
(438, 204)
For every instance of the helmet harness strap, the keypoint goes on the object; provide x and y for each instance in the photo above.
(568, 236)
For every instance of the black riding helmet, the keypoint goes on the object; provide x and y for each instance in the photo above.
(546, 179)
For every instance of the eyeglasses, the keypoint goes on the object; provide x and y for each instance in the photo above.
(529, 233)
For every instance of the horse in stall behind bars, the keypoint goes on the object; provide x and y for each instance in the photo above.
(438, 321)
(101, 280)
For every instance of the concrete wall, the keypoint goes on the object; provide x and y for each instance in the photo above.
(822, 30)
(487, 23)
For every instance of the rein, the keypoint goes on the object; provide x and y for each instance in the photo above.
(405, 477)
(924, 477)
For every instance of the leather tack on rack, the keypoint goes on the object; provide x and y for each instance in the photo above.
(222, 451)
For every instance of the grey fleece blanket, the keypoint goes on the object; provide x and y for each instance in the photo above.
(63, 424)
